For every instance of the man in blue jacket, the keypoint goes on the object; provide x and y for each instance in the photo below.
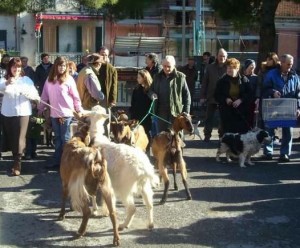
(282, 82)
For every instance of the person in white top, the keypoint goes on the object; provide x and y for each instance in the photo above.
(17, 91)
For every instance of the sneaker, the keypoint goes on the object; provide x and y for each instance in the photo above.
(284, 158)
(267, 157)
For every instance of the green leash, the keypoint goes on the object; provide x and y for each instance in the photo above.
(150, 112)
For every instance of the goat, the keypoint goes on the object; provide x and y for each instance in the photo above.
(129, 169)
(121, 115)
(83, 171)
(167, 150)
(130, 133)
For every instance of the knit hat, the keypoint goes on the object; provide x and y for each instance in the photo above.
(248, 62)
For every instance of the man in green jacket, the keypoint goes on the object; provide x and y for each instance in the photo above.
(108, 77)
(171, 90)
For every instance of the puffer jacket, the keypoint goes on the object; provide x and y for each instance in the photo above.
(275, 82)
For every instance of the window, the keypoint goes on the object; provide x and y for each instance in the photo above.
(3, 37)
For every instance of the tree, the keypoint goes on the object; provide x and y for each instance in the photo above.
(113, 9)
(13, 7)
(259, 13)
(127, 9)
(96, 4)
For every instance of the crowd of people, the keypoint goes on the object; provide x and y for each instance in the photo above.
(233, 90)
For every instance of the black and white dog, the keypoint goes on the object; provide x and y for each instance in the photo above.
(242, 146)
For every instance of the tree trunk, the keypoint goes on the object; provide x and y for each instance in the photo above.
(267, 30)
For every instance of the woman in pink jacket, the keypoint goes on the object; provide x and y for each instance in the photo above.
(61, 93)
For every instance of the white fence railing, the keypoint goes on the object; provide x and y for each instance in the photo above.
(76, 57)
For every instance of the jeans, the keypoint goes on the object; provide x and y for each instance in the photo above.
(31, 145)
(154, 128)
(62, 135)
(286, 141)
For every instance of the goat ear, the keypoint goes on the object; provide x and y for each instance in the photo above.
(128, 134)
(105, 116)
(86, 113)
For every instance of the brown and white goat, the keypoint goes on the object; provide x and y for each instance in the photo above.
(167, 150)
(130, 133)
(83, 172)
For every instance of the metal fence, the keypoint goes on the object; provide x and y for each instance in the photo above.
(76, 57)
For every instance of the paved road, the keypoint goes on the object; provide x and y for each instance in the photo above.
(258, 206)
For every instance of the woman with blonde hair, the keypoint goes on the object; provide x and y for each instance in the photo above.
(73, 70)
(61, 93)
(140, 102)
(233, 94)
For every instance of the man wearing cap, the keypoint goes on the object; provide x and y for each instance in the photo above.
(88, 85)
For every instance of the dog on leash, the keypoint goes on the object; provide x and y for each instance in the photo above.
(242, 146)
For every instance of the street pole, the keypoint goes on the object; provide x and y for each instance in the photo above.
(197, 28)
(183, 34)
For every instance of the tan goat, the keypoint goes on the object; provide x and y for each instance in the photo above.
(83, 172)
(167, 150)
(130, 133)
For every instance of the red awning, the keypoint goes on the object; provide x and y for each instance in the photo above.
(69, 17)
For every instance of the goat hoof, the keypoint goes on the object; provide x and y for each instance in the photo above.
(61, 217)
(151, 226)
(121, 227)
(189, 197)
(162, 201)
(79, 235)
(116, 242)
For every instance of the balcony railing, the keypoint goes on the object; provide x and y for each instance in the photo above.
(76, 57)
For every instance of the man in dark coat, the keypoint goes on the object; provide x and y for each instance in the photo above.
(28, 70)
(42, 72)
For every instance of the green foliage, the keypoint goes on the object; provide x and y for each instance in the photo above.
(12, 6)
(242, 12)
(96, 4)
(113, 9)
(35, 6)
(239, 12)
(128, 9)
